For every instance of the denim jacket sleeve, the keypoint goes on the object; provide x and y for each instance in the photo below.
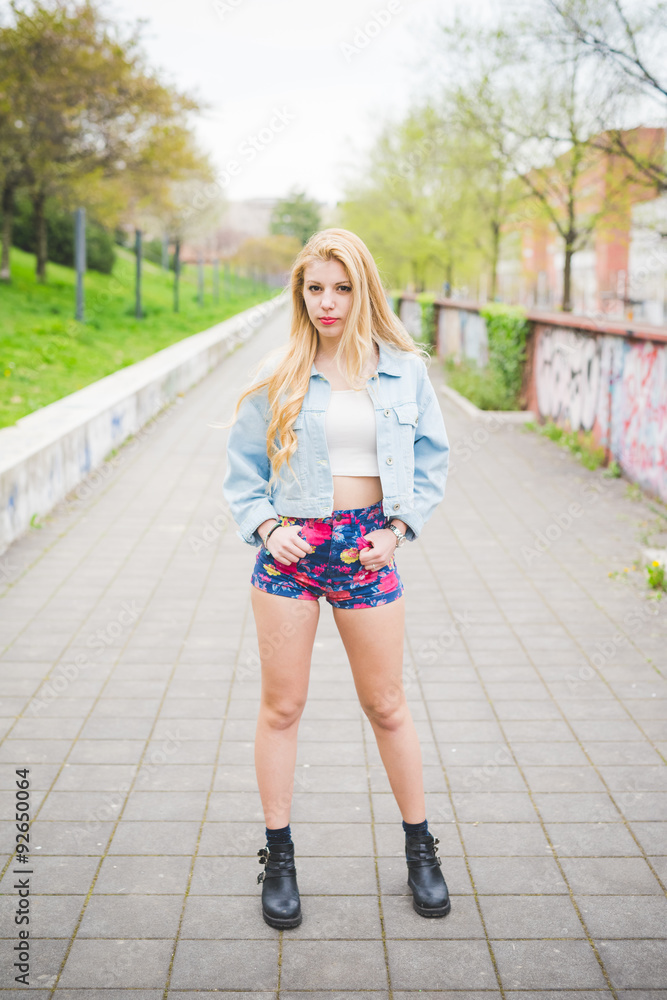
(431, 458)
(246, 480)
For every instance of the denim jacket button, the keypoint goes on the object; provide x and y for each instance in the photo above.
(397, 506)
(390, 461)
(386, 413)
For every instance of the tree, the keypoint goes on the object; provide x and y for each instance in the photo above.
(297, 216)
(626, 43)
(90, 110)
(533, 99)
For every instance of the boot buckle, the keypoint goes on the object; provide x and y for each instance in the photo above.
(260, 877)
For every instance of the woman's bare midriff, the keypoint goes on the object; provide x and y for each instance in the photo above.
(352, 492)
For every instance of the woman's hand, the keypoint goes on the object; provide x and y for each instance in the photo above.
(286, 544)
(381, 552)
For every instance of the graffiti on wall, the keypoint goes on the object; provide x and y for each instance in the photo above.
(567, 372)
(613, 386)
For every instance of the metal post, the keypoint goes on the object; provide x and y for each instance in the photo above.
(216, 279)
(177, 272)
(165, 252)
(80, 258)
(200, 279)
(137, 250)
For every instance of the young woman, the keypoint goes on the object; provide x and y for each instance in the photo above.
(348, 407)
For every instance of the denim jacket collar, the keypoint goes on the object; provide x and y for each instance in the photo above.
(388, 363)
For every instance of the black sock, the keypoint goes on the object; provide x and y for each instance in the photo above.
(412, 828)
(281, 836)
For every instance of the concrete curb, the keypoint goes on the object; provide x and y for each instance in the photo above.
(46, 454)
(489, 416)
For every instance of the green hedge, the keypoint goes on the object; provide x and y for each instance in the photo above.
(507, 329)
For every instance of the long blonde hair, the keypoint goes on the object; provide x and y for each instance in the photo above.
(369, 322)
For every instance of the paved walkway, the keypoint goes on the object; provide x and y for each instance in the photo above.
(537, 685)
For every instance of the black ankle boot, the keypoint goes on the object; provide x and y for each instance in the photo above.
(429, 889)
(281, 905)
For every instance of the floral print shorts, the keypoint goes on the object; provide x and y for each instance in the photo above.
(332, 568)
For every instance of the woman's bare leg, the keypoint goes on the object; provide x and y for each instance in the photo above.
(286, 629)
(373, 640)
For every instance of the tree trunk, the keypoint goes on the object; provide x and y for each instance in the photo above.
(495, 253)
(40, 235)
(567, 280)
(7, 226)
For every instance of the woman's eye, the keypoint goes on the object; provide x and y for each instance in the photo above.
(341, 288)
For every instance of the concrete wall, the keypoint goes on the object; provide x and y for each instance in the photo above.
(611, 385)
(46, 454)
(585, 373)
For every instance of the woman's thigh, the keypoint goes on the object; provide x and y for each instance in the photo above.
(373, 640)
(286, 629)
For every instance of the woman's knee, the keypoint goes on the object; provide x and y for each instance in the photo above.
(388, 709)
(281, 713)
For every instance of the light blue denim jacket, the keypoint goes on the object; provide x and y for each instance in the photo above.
(412, 451)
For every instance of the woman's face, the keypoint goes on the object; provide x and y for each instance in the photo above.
(327, 293)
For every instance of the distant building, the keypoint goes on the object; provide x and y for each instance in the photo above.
(621, 272)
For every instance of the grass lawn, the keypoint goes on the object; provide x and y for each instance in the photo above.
(46, 354)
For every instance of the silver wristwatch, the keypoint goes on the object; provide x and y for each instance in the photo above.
(399, 534)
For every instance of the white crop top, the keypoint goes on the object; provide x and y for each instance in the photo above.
(349, 426)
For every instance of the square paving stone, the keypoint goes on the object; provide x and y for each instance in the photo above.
(347, 916)
(165, 806)
(233, 875)
(94, 777)
(594, 839)
(642, 805)
(501, 777)
(539, 876)
(491, 806)
(621, 753)
(154, 875)
(332, 965)
(563, 779)
(45, 961)
(168, 777)
(26, 751)
(188, 752)
(635, 964)
(51, 916)
(63, 838)
(116, 964)
(154, 838)
(224, 965)
(652, 836)
(402, 921)
(221, 917)
(549, 753)
(610, 876)
(440, 965)
(513, 917)
(106, 752)
(385, 808)
(578, 807)
(625, 916)
(510, 839)
(131, 916)
(548, 965)
(61, 875)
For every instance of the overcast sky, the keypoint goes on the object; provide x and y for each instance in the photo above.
(312, 81)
